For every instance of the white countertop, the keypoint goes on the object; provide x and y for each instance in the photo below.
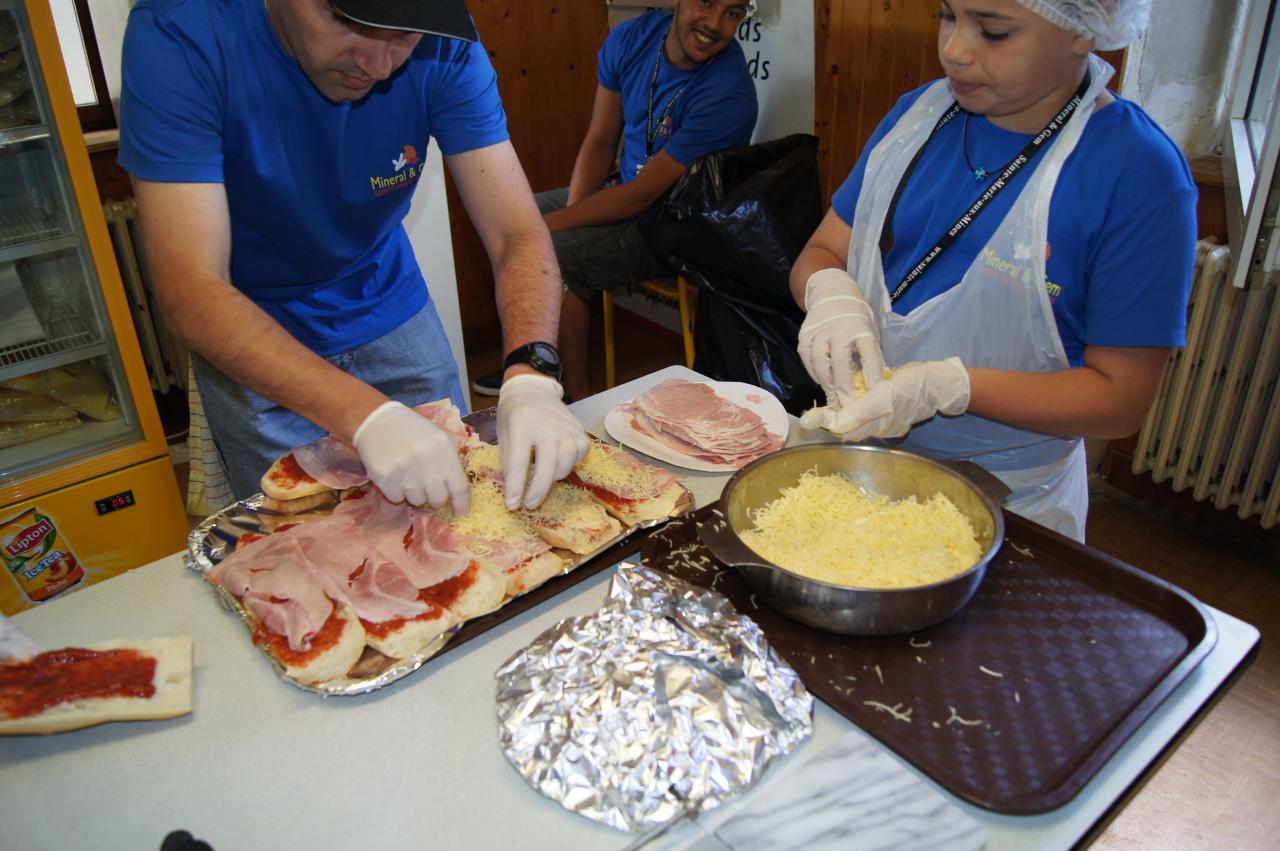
(261, 764)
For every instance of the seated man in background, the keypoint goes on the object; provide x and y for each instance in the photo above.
(275, 147)
(673, 86)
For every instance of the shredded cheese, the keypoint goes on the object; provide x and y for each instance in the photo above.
(829, 528)
(860, 381)
(484, 458)
(613, 469)
(956, 719)
(569, 506)
(488, 517)
(896, 710)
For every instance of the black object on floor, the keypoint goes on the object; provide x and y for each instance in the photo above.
(487, 384)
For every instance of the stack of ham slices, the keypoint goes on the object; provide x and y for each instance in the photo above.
(340, 570)
(689, 417)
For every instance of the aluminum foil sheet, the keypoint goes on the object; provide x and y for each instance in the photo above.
(664, 703)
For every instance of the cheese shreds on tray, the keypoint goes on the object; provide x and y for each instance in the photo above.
(828, 528)
(690, 418)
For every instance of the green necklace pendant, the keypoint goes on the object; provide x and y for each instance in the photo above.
(979, 174)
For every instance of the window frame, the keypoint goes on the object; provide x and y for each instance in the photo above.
(1252, 145)
(99, 115)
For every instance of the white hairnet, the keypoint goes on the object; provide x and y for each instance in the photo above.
(1112, 24)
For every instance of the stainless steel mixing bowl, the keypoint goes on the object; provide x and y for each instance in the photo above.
(840, 608)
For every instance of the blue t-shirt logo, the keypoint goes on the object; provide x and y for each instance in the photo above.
(405, 174)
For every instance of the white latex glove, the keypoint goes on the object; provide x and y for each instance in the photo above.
(915, 392)
(535, 426)
(838, 321)
(411, 459)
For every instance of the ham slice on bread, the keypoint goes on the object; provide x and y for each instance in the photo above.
(297, 613)
(125, 680)
(330, 653)
(630, 489)
(330, 464)
(285, 480)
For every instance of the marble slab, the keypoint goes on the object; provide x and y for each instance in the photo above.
(852, 796)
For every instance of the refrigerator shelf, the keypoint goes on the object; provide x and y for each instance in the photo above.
(71, 340)
(30, 225)
(18, 135)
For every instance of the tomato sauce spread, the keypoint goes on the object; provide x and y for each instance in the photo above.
(328, 636)
(600, 493)
(445, 594)
(385, 628)
(30, 686)
(289, 472)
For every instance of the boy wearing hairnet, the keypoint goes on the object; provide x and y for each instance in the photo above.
(1015, 244)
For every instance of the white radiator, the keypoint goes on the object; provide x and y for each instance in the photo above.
(165, 357)
(1215, 425)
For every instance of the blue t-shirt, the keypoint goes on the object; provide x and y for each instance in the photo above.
(1122, 223)
(715, 109)
(317, 190)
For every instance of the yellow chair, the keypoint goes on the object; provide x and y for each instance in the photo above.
(661, 287)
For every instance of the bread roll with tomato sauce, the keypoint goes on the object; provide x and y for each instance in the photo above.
(334, 649)
(150, 680)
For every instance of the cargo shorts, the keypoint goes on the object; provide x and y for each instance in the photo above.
(600, 257)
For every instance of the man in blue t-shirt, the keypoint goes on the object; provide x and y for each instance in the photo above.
(275, 147)
(672, 87)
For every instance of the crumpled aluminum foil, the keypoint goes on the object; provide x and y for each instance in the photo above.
(664, 703)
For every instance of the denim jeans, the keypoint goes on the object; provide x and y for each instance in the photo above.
(412, 364)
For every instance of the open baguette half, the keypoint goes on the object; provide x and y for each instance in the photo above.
(172, 697)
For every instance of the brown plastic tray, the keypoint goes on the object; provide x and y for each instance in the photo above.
(1058, 658)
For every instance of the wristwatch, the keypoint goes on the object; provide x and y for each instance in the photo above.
(541, 356)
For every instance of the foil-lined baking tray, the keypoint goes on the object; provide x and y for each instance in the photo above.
(216, 537)
(663, 703)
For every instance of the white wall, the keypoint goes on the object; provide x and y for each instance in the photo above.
(1179, 69)
(779, 50)
(428, 227)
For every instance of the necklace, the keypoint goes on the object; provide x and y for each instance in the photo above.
(651, 131)
(979, 173)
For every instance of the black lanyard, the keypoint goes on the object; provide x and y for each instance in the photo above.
(1015, 165)
(651, 130)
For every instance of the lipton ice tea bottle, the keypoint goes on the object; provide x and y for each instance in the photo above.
(38, 559)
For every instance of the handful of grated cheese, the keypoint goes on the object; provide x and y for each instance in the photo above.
(830, 529)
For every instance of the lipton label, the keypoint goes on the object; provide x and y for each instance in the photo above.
(36, 557)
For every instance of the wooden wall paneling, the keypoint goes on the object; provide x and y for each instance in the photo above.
(867, 53)
(544, 52)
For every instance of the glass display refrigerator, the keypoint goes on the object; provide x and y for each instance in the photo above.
(87, 490)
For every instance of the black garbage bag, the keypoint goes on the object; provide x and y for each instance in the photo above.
(734, 224)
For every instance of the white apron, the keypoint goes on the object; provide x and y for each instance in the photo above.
(998, 316)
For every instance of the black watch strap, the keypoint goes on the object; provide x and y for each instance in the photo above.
(540, 355)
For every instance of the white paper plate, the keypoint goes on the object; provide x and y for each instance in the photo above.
(764, 403)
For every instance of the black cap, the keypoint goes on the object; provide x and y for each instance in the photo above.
(435, 17)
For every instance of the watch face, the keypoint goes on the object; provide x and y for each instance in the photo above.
(541, 356)
(544, 358)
